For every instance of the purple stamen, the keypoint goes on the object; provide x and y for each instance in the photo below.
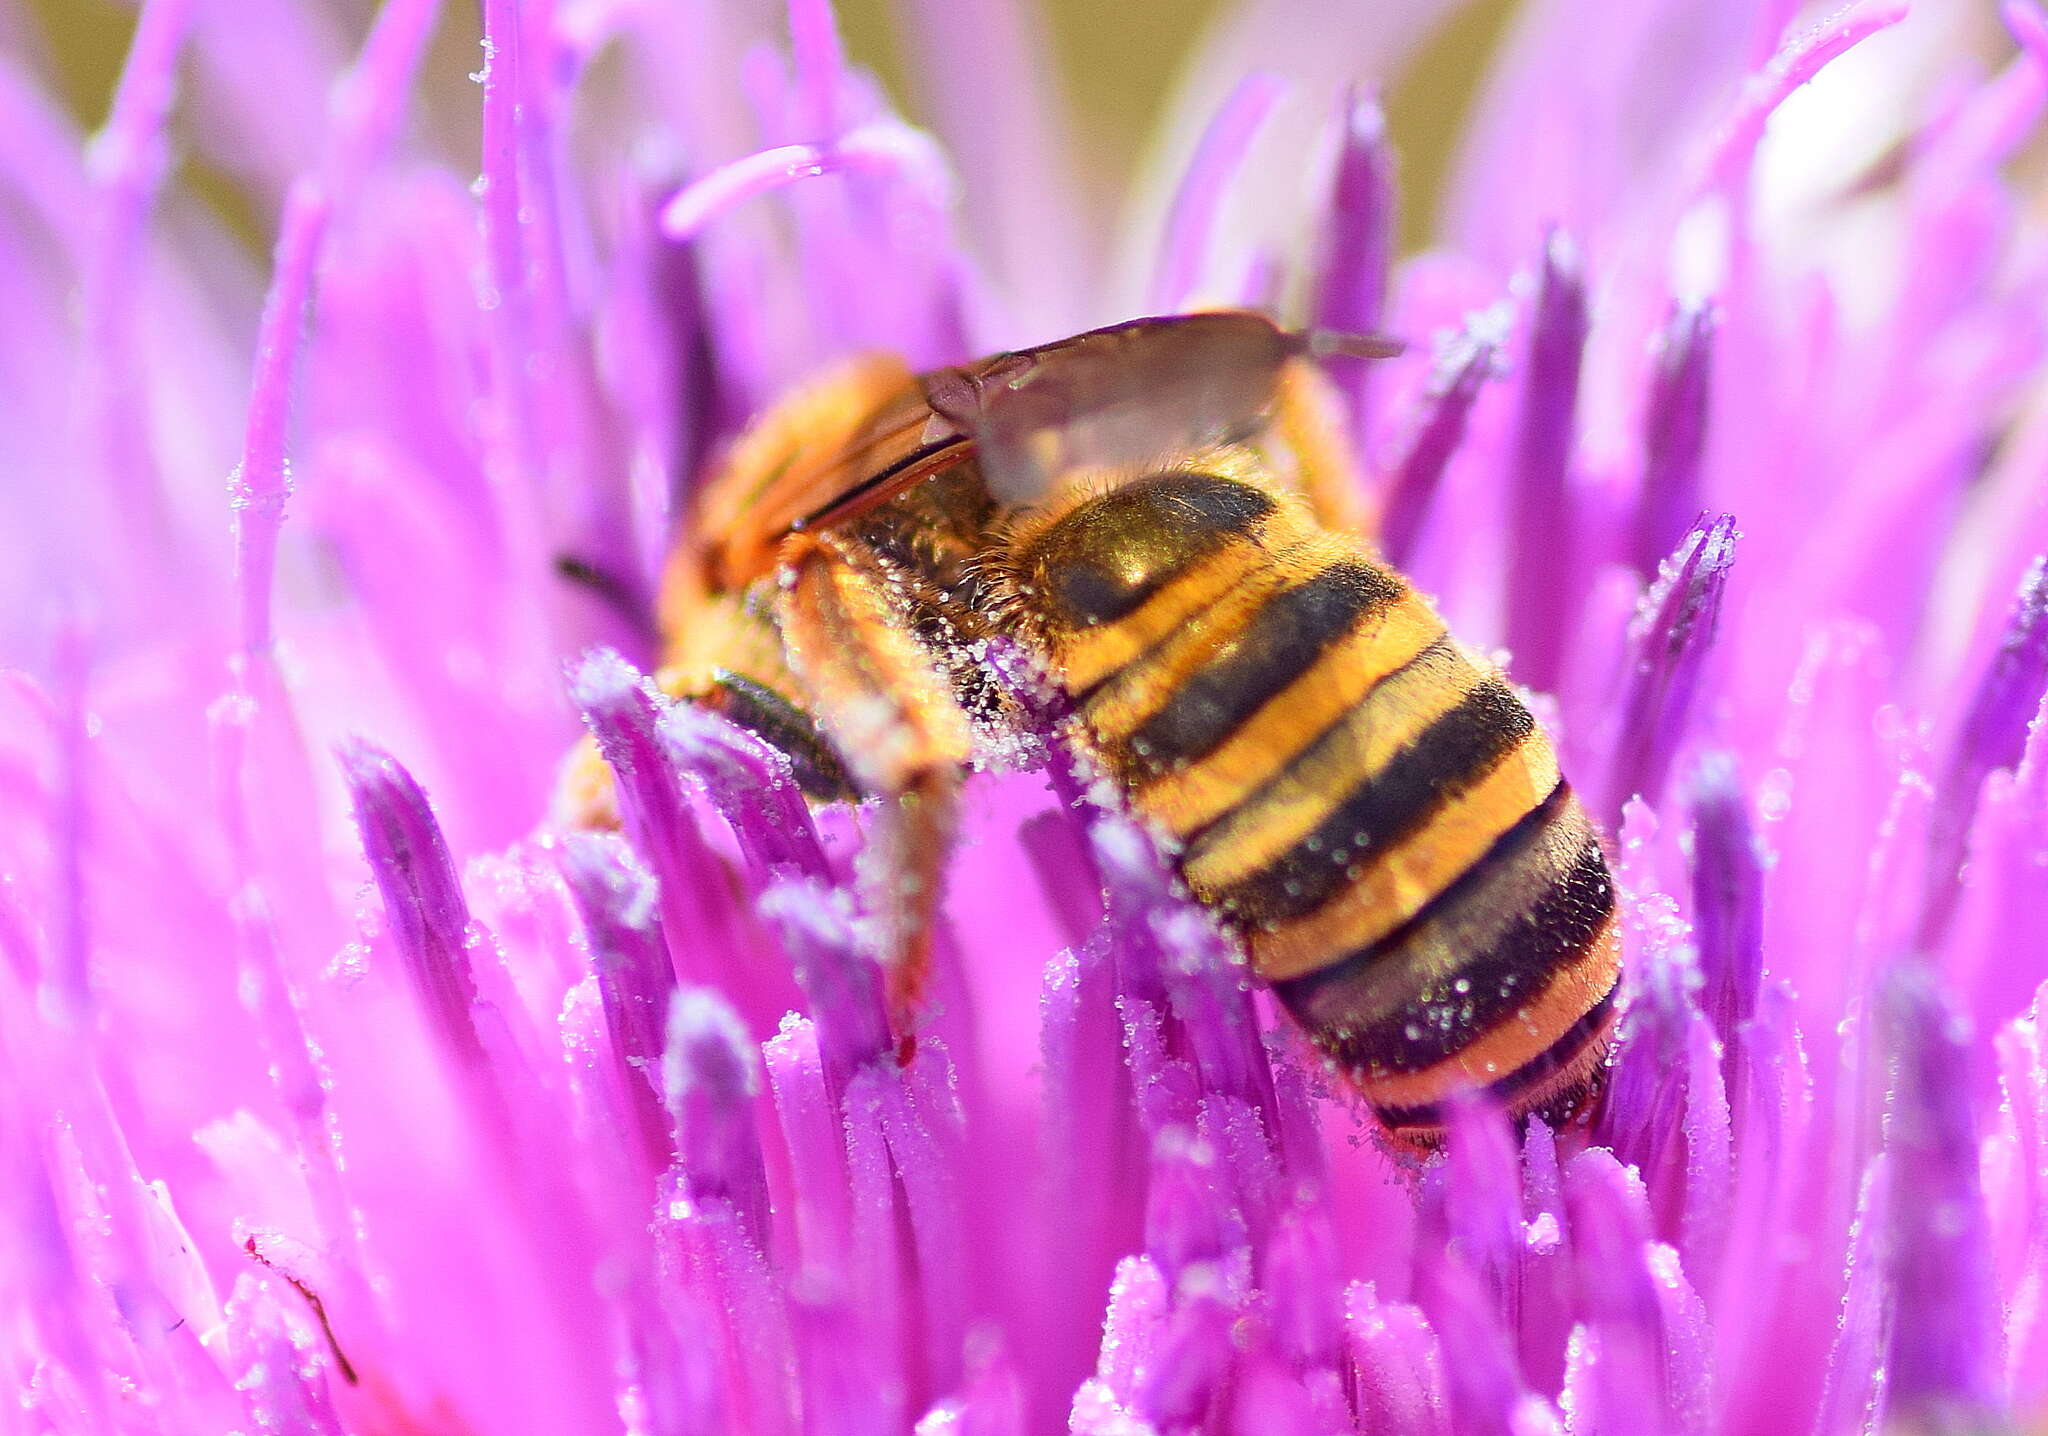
(754, 789)
(878, 1281)
(725, 1300)
(615, 896)
(1066, 876)
(126, 160)
(1617, 1299)
(1356, 243)
(504, 85)
(1992, 736)
(1801, 58)
(840, 1376)
(1708, 1195)
(1185, 1221)
(813, 1131)
(1548, 1305)
(67, 975)
(920, 1120)
(2029, 27)
(1093, 1148)
(370, 99)
(1642, 1117)
(1669, 641)
(1307, 1309)
(1482, 1210)
(1460, 372)
(1171, 954)
(673, 1386)
(1943, 1362)
(820, 63)
(880, 147)
(838, 973)
(1194, 1357)
(1727, 895)
(1674, 433)
(1191, 220)
(423, 901)
(710, 1077)
(265, 984)
(992, 1401)
(262, 482)
(283, 1387)
(1399, 1365)
(1480, 1379)
(709, 411)
(1542, 527)
(1856, 1368)
(623, 710)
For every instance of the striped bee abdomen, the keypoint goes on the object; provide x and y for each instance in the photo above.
(1368, 804)
(1502, 981)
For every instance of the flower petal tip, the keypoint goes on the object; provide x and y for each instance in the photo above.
(423, 899)
(835, 969)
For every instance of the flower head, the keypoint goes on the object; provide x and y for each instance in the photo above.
(348, 1092)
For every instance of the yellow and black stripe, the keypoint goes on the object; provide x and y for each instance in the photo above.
(1369, 804)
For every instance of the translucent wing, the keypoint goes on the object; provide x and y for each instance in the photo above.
(1137, 392)
(1123, 396)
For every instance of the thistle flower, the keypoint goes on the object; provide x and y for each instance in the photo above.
(344, 1094)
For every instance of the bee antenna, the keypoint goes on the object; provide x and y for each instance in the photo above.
(1325, 343)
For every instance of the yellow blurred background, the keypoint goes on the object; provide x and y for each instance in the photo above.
(1118, 62)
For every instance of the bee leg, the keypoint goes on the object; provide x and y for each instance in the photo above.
(1315, 441)
(895, 723)
(722, 652)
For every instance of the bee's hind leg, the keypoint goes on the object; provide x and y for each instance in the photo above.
(893, 719)
(1309, 439)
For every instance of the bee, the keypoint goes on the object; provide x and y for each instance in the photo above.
(1162, 513)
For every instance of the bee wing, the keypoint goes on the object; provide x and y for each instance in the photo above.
(1132, 394)
(1143, 392)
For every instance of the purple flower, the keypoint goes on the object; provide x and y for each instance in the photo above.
(348, 1091)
